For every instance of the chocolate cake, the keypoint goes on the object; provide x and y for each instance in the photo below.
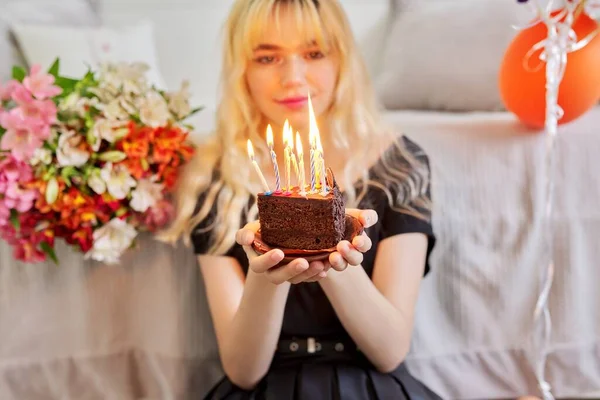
(311, 222)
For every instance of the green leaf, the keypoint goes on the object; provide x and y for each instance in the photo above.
(66, 84)
(67, 173)
(2, 131)
(14, 219)
(195, 111)
(49, 146)
(54, 68)
(19, 73)
(46, 248)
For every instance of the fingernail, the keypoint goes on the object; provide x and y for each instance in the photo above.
(358, 242)
(276, 256)
(323, 274)
(301, 267)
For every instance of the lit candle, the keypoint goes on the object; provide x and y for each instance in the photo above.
(322, 168)
(313, 133)
(287, 155)
(257, 168)
(319, 165)
(293, 155)
(302, 183)
(312, 164)
(273, 157)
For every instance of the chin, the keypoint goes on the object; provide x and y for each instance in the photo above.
(298, 119)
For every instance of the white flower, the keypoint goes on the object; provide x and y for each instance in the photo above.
(114, 111)
(129, 77)
(67, 152)
(111, 131)
(41, 155)
(154, 110)
(96, 182)
(118, 180)
(179, 101)
(111, 240)
(128, 104)
(145, 195)
(70, 102)
(105, 92)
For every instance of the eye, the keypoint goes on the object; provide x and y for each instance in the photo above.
(265, 59)
(315, 55)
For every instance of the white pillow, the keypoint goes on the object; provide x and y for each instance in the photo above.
(446, 54)
(55, 12)
(79, 48)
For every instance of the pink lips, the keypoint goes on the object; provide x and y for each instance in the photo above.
(294, 102)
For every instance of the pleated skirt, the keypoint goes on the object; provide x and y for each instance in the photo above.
(326, 381)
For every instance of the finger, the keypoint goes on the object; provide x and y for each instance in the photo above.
(337, 262)
(311, 272)
(263, 262)
(322, 274)
(350, 254)
(245, 236)
(285, 273)
(317, 277)
(366, 217)
(362, 243)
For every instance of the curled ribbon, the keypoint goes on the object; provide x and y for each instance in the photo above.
(560, 41)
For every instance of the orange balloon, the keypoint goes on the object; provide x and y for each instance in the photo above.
(522, 85)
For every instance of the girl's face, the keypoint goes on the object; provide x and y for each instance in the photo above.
(285, 69)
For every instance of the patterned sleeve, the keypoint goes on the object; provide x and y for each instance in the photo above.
(396, 223)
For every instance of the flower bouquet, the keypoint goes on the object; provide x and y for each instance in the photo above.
(91, 160)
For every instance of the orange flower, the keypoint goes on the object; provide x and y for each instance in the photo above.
(77, 209)
(83, 237)
(137, 143)
(169, 176)
(187, 151)
(41, 205)
(167, 141)
(135, 166)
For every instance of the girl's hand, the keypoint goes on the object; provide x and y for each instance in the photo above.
(296, 271)
(351, 253)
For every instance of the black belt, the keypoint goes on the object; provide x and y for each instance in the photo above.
(311, 345)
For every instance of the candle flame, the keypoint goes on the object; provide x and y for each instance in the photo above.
(270, 136)
(286, 127)
(299, 145)
(250, 150)
(319, 147)
(290, 138)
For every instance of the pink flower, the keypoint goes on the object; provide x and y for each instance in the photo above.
(18, 198)
(41, 113)
(28, 252)
(41, 84)
(158, 215)
(12, 170)
(13, 194)
(4, 215)
(22, 137)
(6, 90)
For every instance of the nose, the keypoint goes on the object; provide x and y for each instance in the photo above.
(293, 72)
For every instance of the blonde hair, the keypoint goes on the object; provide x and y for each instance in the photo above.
(221, 171)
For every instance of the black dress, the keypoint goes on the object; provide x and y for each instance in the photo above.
(316, 358)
